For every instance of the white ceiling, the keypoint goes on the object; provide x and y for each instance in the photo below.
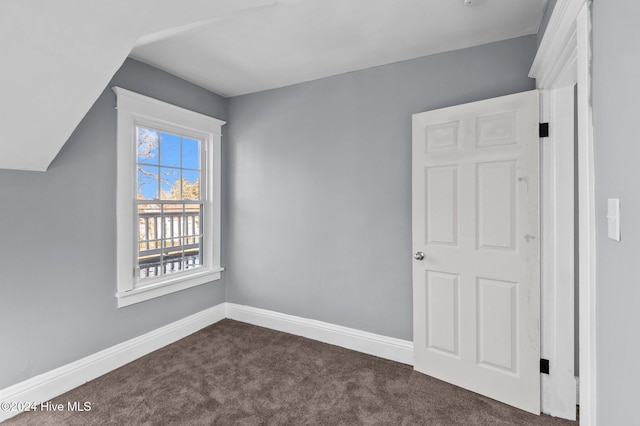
(292, 41)
(58, 57)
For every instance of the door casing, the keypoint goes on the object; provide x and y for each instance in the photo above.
(562, 61)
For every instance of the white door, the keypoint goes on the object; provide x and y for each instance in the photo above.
(476, 291)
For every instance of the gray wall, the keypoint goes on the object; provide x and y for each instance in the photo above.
(320, 177)
(545, 19)
(57, 251)
(616, 108)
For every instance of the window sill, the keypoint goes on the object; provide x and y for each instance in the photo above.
(153, 290)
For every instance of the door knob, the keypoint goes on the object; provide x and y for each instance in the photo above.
(418, 255)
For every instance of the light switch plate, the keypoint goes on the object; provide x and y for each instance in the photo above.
(613, 218)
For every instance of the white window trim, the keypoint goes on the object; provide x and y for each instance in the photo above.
(133, 109)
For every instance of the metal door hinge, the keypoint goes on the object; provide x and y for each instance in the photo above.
(544, 366)
(544, 130)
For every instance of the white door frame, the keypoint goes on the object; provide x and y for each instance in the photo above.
(557, 260)
(562, 61)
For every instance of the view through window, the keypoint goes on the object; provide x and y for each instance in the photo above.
(169, 203)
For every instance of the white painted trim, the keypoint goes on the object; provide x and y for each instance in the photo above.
(557, 284)
(134, 109)
(147, 292)
(142, 105)
(373, 344)
(46, 386)
(555, 61)
(587, 227)
(564, 59)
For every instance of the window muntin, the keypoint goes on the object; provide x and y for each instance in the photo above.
(170, 204)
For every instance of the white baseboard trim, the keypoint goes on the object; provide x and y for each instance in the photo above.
(373, 344)
(46, 386)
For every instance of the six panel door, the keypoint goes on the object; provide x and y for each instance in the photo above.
(476, 292)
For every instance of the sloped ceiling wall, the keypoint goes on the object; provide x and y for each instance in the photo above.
(57, 57)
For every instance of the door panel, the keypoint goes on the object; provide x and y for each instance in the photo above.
(497, 310)
(442, 312)
(495, 205)
(475, 217)
(442, 205)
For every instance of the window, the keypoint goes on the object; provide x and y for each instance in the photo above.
(168, 198)
(169, 203)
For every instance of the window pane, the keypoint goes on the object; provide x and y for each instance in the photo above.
(147, 186)
(173, 227)
(170, 187)
(148, 225)
(150, 270)
(147, 145)
(169, 235)
(169, 150)
(190, 185)
(190, 154)
(193, 253)
(149, 237)
(172, 265)
(193, 239)
(169, 238)
(192, 223)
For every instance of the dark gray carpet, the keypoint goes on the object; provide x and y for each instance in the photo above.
(233, 373)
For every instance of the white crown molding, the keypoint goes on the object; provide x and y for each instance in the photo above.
(555, 62)
(373, 344)
(46, 386)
